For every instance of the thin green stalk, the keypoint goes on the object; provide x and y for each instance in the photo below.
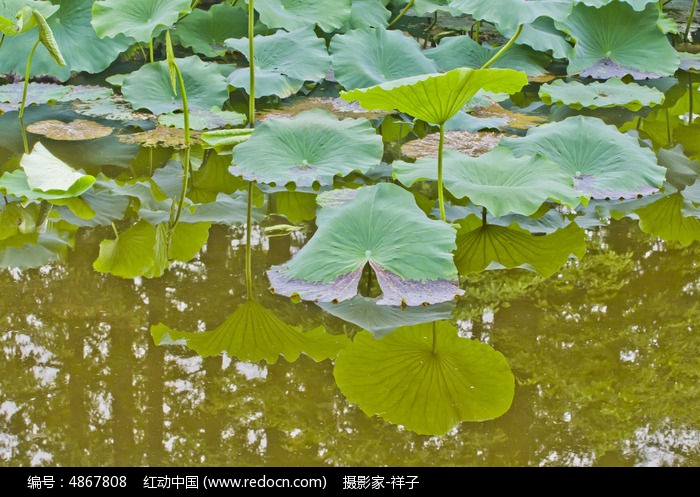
(251, 123)
(114, 228)
(403, 11)
(248, 248)
(23, 130)
(251, 59)
(483, 216)
(2, 39)
(691, 14)
(143, 52)
(150, 50)
(26, 78)
(504, 48)
(441, 195)
(186, 161)
(477, 26)
(430, 27)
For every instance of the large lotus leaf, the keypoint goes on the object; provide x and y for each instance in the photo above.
(497, 180)
(490, 246)
(382, 226)
(283, 61)
(254, 333)
(313, 147)
(380, 320)
(366, 57)
(149, 87)
(16, 15)
(508, 14)
(542, 35)
(664, 218)
(79, 45)
(462, 51)
(616, 40)
(611, 93)
(603, 162)
(366, 13)
(32, 250)
(205, 30)
(435, 98)
(48, 174)
(425, 377)
(329, 15)
(138, 19)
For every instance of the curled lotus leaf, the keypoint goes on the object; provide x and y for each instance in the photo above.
(312, 148)
(77, 130)
(610, 93)
(382, 226)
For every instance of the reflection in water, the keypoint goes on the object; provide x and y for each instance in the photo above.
(605, 356)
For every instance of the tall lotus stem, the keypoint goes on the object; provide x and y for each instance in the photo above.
(251, 59)
(26, 78)
(690, 20)
(251, 124)
(186, 161)
(441, 195)
(401, 14)
(504, 48)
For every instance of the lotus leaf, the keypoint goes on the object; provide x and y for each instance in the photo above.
(542, 35)
(254, 333)
(688, 137)
(665, 218)
(200, 119)
(611, 93)
(138, 19)
(638, 5)
(497, 180)
(107, 207)
(283, 61)
(382, 226)
(488, 246)
(114, 109)
(435, 98)
(366, 13)
(149, 87)
(508, 14)
(205, 30)
(689, 61)
(393, 55)
(47, 174)
(41, 93)
(77, 130)
(680, 171)
(425, 377)
(335, 105)
(16, 15)
(423, 7)
(517, 120)
(473, 144)
(603, 162)
(313, 147)
(32, 250)
(616, 40)
(329, 15)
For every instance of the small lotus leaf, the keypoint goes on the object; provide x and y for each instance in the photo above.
(106, 206)
(425, 378)
(490, 246)
(603, 162)
(200, 119)
(160, 136)
(665, 218)
(615, 40)
(77, 130)
(205, 30)
(393, 55)
(283, 61)
(48, 174)
(254, 333)
(138, 19)
(329, 15)
(410, 254)
(313, 147)
(435, 98)
(497, 180)
(611, 93)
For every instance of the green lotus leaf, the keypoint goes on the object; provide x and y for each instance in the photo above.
(42, 93)
(638, 5)
(283, 61)
(380, 320)
(313, 147)
(106, 206)
(611, 93)
(32, 250)
(688, 137)
(680, 171)
(615, 40)
(664, 218)
(329, 15)
(603, 162)
(508, 14)
(48, 174)
(689, 61)
(16, 15)
(213, 118)
(435, 98)
(205, 30)
(187, 240)
(366, 57)
(138, 19)
(366, 13)
(497, 180)
(254, 333)
(382, 226)
(79, 45)
(490, 246)
(423, 7)
(224, 140)
(149, 87)
(462, 51)
(425, 378)
(542, 35)
(296, 206)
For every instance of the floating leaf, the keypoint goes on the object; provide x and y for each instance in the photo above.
(161, 136)
(313, 147)
(48, 174)
(380, 320)
(283, 61)
(149, 87)
(603, 162)
(138, 19)
(473, 144)
(329, 15)
(382, 226)
(254, 333)
(615, 40)
(611, 93)
(497, 180)
(393, 55)
(213, 118)
(79, 129)
(425, 378)
(113, 108)
(435, 98)
(335, 105)
(516, 120)
(664, 218)
(205, 30)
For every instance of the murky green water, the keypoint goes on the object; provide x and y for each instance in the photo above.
(605, 356)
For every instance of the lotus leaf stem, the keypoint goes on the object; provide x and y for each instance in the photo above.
(441, 195)
(186, 161)
(26, 78)
(504, 48)
(475, 35)
(251, 59)
(401, 14)
(251, 124)
(150, 50)
(248, 248)
(2, 39)
(23, 130)
(691, 14)
(432, 24)
(483, 216)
